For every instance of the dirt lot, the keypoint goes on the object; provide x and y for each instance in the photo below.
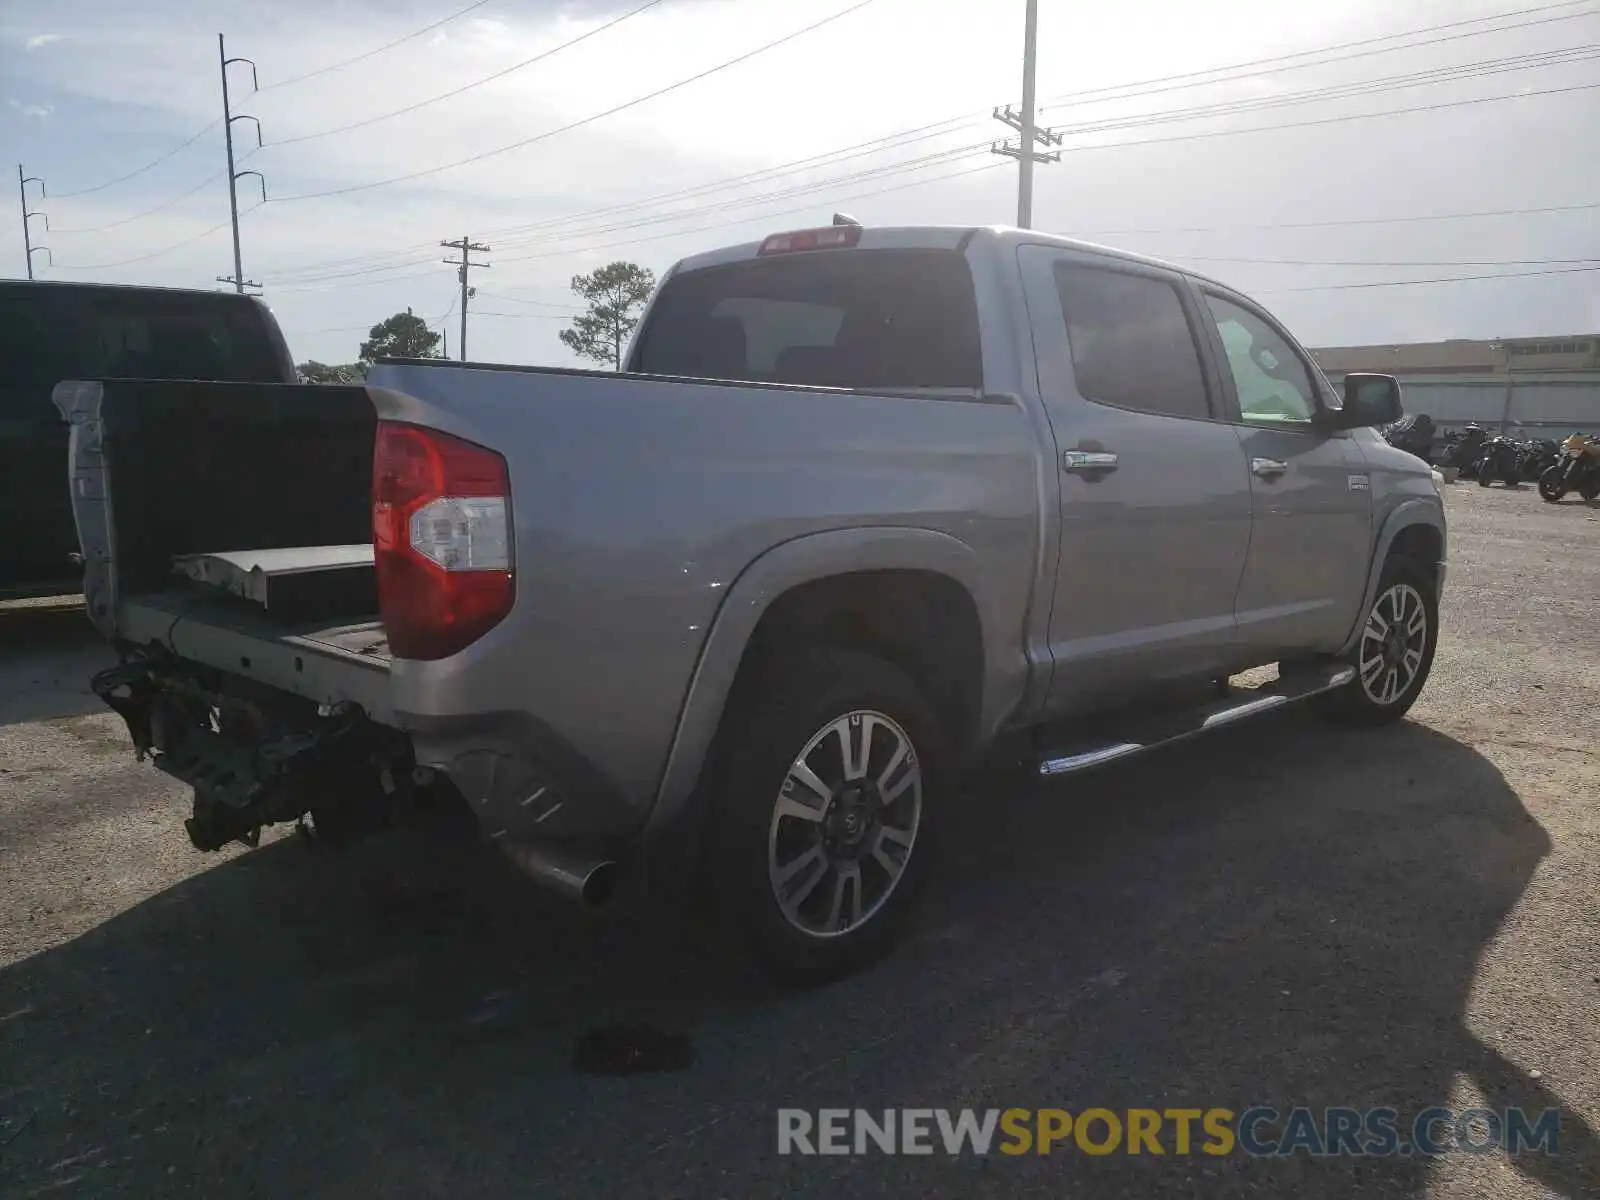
(1286, 914)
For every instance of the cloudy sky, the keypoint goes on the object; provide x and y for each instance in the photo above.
(1255, 172)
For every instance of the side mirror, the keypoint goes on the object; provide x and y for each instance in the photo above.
(1369, 400)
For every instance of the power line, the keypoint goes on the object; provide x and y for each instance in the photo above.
(1339, 287)
(1460, 216)
(527, 62)
(339, 66)
(128, 262)
(150, 212)
(367, 283)
(325, 276)
(1271, 128)
(338, 329)
(936, 158)
(655, 237)
(528, 316)
(1188, 79)
(822, 185)
(1187, 114)
(155, 162)
(1368, 262)
(671, 87)
(951, 125)
(863, 176)
(1388, 83)
(564, 308)
(859, 149)
(1389, 112)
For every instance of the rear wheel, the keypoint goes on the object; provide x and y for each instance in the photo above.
(1394, 652)
(823, 820)
(1551, 484)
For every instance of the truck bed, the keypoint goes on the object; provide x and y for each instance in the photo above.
(330, 663)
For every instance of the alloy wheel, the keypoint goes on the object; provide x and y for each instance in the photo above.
(1393, 644)
(844, 824)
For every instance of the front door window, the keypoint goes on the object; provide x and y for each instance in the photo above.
(1272, 382)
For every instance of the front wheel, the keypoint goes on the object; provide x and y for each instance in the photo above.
(1552, 484)
(1394, 652)
(823, 820)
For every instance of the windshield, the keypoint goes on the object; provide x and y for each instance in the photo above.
(855, 319)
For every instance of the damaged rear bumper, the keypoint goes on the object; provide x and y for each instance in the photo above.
(255, 756)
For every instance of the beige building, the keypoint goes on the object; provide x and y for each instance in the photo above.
(1573, 352)
(1536, 387)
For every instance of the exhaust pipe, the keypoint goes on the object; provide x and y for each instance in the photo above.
(568, 870)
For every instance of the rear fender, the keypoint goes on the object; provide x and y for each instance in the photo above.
(805, 560)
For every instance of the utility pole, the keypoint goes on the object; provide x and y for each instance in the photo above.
(28, 248)
(1023, 123)
(237, 278)
(465, 244)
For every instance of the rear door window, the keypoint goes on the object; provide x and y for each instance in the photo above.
(50, 334)
(158, 337)
(1132, 346)
(854, 319)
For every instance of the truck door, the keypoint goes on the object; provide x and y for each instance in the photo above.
(1154, 493)
(1306, 573)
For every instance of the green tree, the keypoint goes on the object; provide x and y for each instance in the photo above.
(317, 372)
(615, 294)
(403, 335)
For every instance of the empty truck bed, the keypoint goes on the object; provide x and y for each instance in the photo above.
(329, 662)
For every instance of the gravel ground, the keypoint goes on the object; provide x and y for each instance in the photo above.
(1285, 913)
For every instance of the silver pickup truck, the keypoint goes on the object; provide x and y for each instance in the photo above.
(865, 506)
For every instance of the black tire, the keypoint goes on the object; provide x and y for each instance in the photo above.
(1589, 489)
(1362, 701)
(1551, 485)
(1485, 475)
(790, 701)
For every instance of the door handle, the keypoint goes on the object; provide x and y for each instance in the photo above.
(1088, 462)
(1268, 468)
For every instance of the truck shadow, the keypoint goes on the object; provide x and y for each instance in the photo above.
(1282, 916)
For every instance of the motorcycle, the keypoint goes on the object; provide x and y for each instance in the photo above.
(1577, 470)
(1414, 435)
(1538, 456)
(1463, 450)
(1500, 458)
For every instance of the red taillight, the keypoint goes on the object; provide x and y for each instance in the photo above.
(441, 539)
(831, 237)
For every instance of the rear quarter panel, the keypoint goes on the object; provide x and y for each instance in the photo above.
(638, 503)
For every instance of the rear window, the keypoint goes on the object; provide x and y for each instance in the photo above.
(48, 336)
(855, 319)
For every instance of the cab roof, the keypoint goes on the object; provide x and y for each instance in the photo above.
(943, 237)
